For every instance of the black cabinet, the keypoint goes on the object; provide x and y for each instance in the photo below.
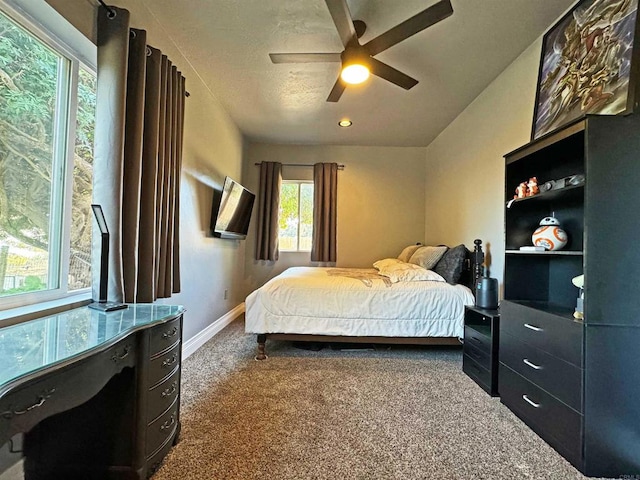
(571, 380)
(480, 357)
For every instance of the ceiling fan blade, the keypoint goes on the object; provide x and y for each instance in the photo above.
(304, 57)
(383, 70)
(337, 90)
(415, 24)
(339, 11)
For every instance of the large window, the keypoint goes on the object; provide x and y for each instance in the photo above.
(47, 115)
(296, 216)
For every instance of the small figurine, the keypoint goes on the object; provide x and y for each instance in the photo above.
(532, 187)
(521, 190)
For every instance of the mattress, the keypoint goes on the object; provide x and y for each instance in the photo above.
(317, 301)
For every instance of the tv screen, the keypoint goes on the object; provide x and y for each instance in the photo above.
(231, 210)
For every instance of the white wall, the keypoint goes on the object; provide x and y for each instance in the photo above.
(213, 148)
(465, 165)
(380, 202)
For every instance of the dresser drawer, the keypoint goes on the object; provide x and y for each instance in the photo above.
(162, 428)
(481, 375)
(162, 395)
(162, 364)
(155, 460)
(477, 339)
(559, 378)
(556, 423)
(554, 334)
(165, 335)
(476, 351)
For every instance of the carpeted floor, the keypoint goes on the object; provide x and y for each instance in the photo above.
(400, 413)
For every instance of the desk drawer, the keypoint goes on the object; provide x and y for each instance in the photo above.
(165, 335)
(163, 364)
(162, 428)
(559, 336)
(561, 379)
(476, 352)
(556, 423)
(163, 395)
(477, 339)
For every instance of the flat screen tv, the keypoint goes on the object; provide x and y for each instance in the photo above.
(231, 211)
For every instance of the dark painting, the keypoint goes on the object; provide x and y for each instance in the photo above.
(586, 64)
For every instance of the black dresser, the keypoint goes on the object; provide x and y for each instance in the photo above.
(481, 336)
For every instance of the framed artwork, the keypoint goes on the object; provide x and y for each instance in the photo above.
(588, 64)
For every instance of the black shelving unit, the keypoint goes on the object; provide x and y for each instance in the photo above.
(573, 381)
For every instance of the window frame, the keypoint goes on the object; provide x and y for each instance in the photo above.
(299, 183)
(52, 29)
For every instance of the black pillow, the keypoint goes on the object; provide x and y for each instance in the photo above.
(451, 264)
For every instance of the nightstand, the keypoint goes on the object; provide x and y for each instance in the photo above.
(481, 337)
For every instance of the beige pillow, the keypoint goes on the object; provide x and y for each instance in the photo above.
(409, 272)
(385, 262)
(405, 255)
(427, 257)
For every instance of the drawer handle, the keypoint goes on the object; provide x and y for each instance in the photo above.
(533, 327)
(169, 423)
(170, 333)
(116, 357)
(171, 390)
(170, 361)
(474, 353)
(527, 362)
(477, 340)
(530, 402)
(43, 397)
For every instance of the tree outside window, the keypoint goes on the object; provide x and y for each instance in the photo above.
(296, 216)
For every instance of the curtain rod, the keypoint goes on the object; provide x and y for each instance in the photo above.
(340, 167)
(110, 11)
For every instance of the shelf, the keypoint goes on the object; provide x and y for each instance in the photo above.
(544, 196)
(566, 253)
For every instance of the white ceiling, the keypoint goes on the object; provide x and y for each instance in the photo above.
(228, 43)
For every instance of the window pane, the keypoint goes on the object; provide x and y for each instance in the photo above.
(306, 216)
(28, 83)
(288, 222)
(81, 214)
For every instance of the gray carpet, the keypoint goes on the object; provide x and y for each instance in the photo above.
(400, 413)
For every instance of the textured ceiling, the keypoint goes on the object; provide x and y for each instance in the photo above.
(228, 43)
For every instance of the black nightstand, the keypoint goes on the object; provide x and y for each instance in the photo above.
(481, 337)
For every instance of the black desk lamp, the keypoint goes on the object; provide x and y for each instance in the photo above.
(102, 303)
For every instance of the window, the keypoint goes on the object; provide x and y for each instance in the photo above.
(296, 216)
(47, 119)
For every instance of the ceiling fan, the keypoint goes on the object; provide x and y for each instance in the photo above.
(358, 59)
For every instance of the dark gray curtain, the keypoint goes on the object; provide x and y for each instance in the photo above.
(325, 194)
(268, 209)
(138, 144)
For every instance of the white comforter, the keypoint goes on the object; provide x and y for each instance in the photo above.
(307, 300)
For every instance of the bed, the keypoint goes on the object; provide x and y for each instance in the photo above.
(396, 302)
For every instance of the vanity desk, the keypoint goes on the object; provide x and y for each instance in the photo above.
(91, 395)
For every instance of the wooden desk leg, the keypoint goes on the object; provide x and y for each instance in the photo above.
(262, 339)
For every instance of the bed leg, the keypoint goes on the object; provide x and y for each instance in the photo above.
(262, 339)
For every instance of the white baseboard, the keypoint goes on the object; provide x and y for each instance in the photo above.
(202, 337)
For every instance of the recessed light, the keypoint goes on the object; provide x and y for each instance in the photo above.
(345, 123)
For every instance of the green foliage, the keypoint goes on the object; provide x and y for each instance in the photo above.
(296, 216)
(31, 284)
(29, 75)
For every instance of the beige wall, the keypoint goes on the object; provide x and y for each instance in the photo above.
(213, 148)
(465, 164)
(380, 202)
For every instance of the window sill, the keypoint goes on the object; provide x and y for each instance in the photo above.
(38, 310)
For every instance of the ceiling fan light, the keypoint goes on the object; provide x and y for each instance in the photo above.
(354, 73)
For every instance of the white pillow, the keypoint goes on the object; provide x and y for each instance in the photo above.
(408, 272)
(385, 262)
(427, 257)
(406, 253)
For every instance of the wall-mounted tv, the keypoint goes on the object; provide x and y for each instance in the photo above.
(231, 211)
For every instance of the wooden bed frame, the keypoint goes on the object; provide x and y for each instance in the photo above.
(471, 273)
